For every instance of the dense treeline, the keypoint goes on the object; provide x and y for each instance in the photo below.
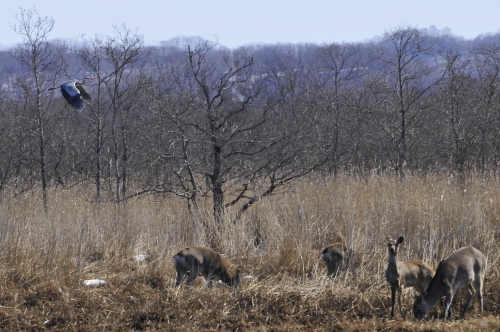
(194, 119)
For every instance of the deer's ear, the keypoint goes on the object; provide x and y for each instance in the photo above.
(400, 240)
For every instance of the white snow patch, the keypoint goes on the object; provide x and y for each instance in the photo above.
(94, 282)
(142, 257)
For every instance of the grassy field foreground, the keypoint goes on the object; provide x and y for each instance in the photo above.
(45, 258)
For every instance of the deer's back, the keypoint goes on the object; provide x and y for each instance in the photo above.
(462, 267)
(417, 274)
(334, 251)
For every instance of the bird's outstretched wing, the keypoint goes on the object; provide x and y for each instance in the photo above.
(72, 95)
(83, 92)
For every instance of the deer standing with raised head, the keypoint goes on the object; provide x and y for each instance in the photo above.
(465, 267)
(400, 274)
(198, 261)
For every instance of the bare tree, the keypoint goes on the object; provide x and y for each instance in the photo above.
(341, 72)
(220, 108)
(291, 142)
(226, 132)
(126, 53)
(487, 71)
(42, 66)
(92, 56)
(456, 103)
(118, 62)
(408, 73)
(8, 148)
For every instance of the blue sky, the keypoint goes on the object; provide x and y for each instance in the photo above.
(235, 23)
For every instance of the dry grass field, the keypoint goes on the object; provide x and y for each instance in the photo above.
(45, 258)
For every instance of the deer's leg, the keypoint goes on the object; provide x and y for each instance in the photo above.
(471, 291)
(180, 277)
(393, 298)
(400, 290)
(479, 287)
(193, 274)
(447, 304)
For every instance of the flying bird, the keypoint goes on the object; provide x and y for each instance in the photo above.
(74, 92)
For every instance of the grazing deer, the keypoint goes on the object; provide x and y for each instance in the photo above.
(400, 274)
(333, 256)
(198, 261)
(465, 267)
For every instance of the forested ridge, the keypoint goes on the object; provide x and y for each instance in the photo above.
(192, 118)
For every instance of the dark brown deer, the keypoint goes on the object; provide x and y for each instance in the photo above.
(333, 255)
(198, 261)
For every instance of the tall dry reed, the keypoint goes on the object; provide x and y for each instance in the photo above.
(44, 257)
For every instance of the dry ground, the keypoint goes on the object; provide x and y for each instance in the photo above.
(45, 258)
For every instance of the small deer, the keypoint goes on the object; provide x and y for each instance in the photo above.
(464, 267)
(198, 261)
(400, 274)
(333, 256)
